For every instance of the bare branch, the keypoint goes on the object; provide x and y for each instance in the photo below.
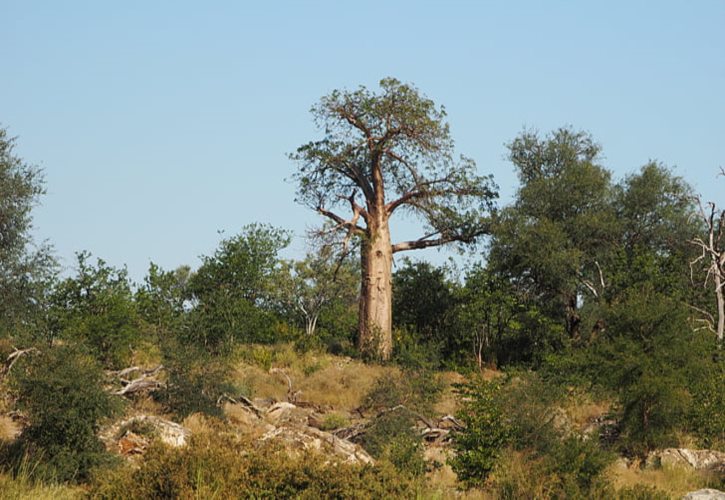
(601, 275)
(422, 243)
(340, 221)
(15, 356)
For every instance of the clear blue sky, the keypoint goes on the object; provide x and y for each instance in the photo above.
(159, 123)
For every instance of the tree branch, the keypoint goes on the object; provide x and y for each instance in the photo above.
(350, 224)
(423, 243)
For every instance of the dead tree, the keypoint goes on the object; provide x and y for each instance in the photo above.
(712, 260)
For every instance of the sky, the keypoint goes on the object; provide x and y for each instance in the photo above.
(160, 124)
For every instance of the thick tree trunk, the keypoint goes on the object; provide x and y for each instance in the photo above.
(573, 320)
(376, 294)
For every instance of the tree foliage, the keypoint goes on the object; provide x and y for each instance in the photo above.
(61, 391)
(231, 291)
(26, 270)
(96, 308)
(397, 146)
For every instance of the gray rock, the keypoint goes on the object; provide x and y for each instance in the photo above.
(705, 494)
(696, 459)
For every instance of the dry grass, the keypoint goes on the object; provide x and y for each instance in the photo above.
(9, 430)
(581, 410)
(674, 481)
(343, 384)
(442, 481)
(326, 380)
(448, 402)
(20, 489)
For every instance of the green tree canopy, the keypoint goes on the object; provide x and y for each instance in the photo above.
(26, 270)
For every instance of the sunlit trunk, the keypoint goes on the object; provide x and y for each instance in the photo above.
(376, 294)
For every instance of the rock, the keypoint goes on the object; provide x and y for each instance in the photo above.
(696, 459)
(621, 463)
(283, 413)
(705, 494)
(137, 432)
(309, 438)
(132, 444)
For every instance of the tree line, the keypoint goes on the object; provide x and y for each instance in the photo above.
(614, 284)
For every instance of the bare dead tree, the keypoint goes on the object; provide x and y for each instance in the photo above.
(711, 262)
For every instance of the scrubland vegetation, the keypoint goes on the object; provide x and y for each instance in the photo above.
(584, 338)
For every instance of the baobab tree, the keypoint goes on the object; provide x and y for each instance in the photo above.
(380, 154)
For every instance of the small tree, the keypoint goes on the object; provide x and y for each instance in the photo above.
(383, 153)
(96, 307)
(309, 286)
(231, 292)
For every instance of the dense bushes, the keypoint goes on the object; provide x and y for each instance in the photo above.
(659, 370)
(486, 435)
(62, 394)
(96, 309)
(396, 404)
(517, 417)
(219, 465)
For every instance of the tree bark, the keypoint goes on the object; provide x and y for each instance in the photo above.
(573, 320)
(376, 295)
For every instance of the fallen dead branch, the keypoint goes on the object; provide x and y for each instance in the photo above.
(14, 357)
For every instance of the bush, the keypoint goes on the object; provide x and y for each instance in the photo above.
(513, 420)
(416, 390)
(222, 465)
(392, 437)
(196, 379)
(96, 307)
(521, 475)
(399, 401)
(486, 434)
(61, 392)
(666, 378)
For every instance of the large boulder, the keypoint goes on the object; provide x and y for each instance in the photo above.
(696, 459)
(296, 439)
(133, 435)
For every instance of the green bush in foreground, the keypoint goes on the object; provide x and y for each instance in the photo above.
(225, 466)
(61, 392)
(511, 440)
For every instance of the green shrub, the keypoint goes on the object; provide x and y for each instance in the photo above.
(398, 402)
(195, 381)
(62, 394)
(512, 428)
(96, 308)
(221, 465)
(486, 434)
(579, 463)
(334, 421)
(405, 452)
